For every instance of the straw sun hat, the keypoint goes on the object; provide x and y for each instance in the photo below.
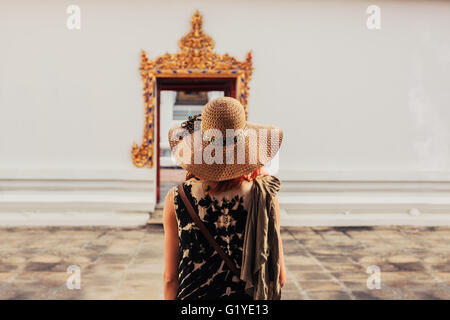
(208, 150)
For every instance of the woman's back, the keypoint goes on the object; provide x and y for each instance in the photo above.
(244, 220)
(202, 272)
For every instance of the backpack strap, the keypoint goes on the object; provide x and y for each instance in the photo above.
(205, 231)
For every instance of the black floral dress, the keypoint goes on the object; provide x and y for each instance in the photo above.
(202, 272)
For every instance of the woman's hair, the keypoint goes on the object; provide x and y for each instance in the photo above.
(221, 186)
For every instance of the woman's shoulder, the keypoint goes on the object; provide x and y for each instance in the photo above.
(270, 183)
(192, 181)
(193, 187)
(187, 184)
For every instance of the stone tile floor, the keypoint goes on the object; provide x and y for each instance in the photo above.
(322, 263)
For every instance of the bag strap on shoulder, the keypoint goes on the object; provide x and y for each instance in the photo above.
(205, 231)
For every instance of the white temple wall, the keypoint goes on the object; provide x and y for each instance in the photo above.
(365, 112)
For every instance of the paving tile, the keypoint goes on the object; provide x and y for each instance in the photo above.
(363, 234)
(133, 295)
(346, 267)
(300, 259)
(376, 294)
(322, 262)
(424, 294)
(351, 276)
(302, 276)
(329, 295)
(319, 285)
(355, 284)
(440, 267)
(305, 268)
(6, 277)
(442, 276)
(290, 295)
(405, 275)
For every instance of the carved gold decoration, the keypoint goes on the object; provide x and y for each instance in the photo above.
(196, 59)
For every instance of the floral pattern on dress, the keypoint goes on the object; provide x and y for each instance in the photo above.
(202, 272)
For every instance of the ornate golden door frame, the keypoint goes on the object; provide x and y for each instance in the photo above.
(197, 60)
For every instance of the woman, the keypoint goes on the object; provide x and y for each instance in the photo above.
(222, 237)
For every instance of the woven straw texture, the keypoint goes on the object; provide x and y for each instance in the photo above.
(254, 146)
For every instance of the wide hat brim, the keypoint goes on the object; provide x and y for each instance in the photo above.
(256, 147)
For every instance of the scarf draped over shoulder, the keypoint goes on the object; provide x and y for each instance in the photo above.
(261, 256)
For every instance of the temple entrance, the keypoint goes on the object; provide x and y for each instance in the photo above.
(178, 85)
(178, 98)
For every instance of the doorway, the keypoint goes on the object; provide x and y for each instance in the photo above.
(178, 98)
